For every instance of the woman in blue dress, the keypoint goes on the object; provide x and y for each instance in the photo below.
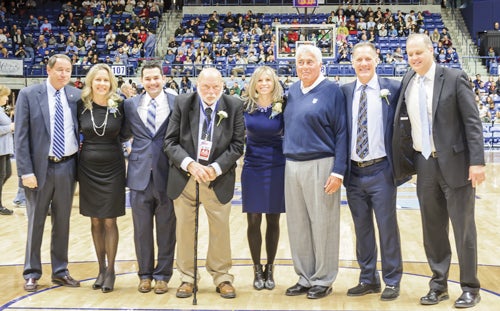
(262, 178)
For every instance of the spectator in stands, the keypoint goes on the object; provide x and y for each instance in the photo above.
(3, 37)
(240, 66)
(186, 85)
(108, 60)
(46, 26)
(71, 49)
(477, 81)
(441, 57)
(451, 56)
(89, 43)
(61, 20)
(496, 26)
(32, 22)
(493, 112)
(19, 38)
(20, 52)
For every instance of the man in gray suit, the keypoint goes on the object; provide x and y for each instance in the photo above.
(46, 140)
(146, 120)
(203, 142)
(438, 135)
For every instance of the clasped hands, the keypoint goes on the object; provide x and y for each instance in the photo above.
(201, 173)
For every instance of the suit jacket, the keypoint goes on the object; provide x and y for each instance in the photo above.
(181, 141)
(147, 157)
(33, 134)
(388, 110)
(456, 128)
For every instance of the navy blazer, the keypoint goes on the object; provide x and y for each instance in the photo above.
(388, 110)
(32, 135)
(147, 157)
(181, 141)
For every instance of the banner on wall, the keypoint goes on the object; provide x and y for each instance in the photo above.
(11, 67)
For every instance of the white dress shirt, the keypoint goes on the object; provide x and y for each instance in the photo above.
(412, 103)
(162, 109)
(70, 141)
(376, 146)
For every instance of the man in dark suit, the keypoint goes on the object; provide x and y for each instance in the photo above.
(147, 120)
(438, 135)
(204, 140)
(46, 140)
(371, 102)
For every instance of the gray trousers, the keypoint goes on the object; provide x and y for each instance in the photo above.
(313, 219)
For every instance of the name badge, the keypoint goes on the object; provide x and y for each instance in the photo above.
(204, 150)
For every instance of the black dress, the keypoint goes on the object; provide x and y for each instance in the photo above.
(101, 166)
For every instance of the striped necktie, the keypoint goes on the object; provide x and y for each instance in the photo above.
(58, 137)
(151, 120)
(362, 134)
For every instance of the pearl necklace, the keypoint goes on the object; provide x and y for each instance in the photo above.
(102, 126)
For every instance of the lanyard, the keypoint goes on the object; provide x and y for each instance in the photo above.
(208, 123)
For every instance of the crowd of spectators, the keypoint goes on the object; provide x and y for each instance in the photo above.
(89, 32)
(487, 97)
(235, 42)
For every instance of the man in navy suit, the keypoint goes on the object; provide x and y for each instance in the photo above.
(369, 181)
(439, 136)
(46, 163)
(204, 140)
(146, 120)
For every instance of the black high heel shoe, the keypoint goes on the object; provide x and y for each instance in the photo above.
(109, 283)
(268, 273)
(99, 280)
(258, 281)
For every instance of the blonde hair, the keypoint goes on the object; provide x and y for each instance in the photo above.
(4, 91)
(253, 96)
(87, 89)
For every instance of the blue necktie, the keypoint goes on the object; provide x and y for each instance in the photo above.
(151, 120)
(424, 118)
(58, 138)
(362, 134)
(205, 129)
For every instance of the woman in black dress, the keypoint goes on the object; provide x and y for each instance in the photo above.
(101, 169)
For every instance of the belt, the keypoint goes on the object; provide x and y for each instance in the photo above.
(433, 154)
(368, 163)
(59, 160)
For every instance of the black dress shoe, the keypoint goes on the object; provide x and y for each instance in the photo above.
(467, 300)
(318, 291)
(66, 280)
(390, 293)
(434, 296)
(296, 290)
(363, 289)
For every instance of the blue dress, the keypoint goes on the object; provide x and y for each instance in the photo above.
(263, 174)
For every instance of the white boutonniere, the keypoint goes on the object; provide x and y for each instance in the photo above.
(384, 93)
(113, 106)
(276, 110)
(222, 115)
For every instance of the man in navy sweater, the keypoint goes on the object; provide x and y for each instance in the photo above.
(315, 145)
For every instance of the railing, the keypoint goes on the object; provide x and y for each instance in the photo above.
(290, 2)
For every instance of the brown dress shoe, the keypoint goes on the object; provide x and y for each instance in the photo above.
(185, 290)
(144, 286)
(161, 287)
(31, 285)
(226, 290)
(66, 280)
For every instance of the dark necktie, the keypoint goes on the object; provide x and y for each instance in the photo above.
(362, 134)
(58, 137)
(205, 132)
